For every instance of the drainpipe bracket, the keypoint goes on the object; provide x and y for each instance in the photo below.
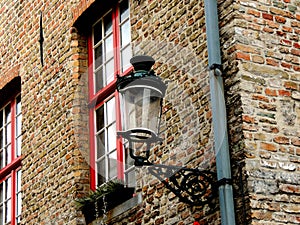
(224, 181)
(218, 71)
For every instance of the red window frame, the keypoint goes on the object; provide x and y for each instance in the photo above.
(97, 99)
(11, 169)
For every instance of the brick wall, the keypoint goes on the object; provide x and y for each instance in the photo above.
(260, 56)
(264, 83)
(55, 137)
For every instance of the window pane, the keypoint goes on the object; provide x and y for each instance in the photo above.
(112, 165)
(19, 194)
(1, 202)
(8, 188)
(100, 118)
(7, 200)
(19, 204)
(99, 79)
(19, 125)
(98, 56)
(19, 173)
(110, 111)
(97, 32)
(101, 172)
(1, 213)
(129, 162)
(124, 10)
(1, 158)
(126, 55)
(18, 110)
(8, 134)
(130, 178)
(7, 114)
(8, 154)
(108, 23)
(125, 33)
(18, 143)
(1, 193)
(111, 136)
(100, 144)
(1, 118)
(1, 138)
(110, 71)
(8, 211)
(109, 48)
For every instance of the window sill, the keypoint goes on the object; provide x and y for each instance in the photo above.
(119, 210)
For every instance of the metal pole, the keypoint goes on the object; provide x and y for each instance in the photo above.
(219, 117)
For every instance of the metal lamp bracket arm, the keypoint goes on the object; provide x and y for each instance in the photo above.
(191, 186)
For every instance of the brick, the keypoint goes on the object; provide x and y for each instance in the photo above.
(286, 65)
(267, 16)
(296, 141)
(253, 12)
(281, 140)
(268, 146)
(272, 62)
(284, 93)
(257, 59)
(271, 92)
(280, 19)
(291, 85)
(295, 52)
(260, 98)
(242, 55)
(296, 45)
(248, 119)
(266, 106)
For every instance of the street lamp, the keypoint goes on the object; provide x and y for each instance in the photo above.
(141, 96)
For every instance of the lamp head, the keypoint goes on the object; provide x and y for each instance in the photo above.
(141, 95)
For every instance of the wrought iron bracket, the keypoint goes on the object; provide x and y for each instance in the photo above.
(192, 186)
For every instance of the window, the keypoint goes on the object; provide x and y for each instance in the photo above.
(109, 55)
(10, 162)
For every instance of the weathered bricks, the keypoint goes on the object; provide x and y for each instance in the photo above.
(260, 57)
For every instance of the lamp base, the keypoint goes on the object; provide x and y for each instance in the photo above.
(140, 135)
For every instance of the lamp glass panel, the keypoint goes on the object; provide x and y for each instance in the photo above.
(141, 108)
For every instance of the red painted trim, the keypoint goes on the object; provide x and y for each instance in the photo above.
(13, 129)
(120, 152)
(102, 94)
(127, 71)
(116, 31)
(91, 112)
(92, 150)
(4, 172)
(13, 197)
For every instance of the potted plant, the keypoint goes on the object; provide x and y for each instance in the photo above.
(103, 199)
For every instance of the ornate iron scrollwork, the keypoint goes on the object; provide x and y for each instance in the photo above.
(191, 186)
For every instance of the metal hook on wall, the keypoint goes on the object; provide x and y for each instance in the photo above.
(41, 40)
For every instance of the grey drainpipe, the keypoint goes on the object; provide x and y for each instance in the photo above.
(219, 117)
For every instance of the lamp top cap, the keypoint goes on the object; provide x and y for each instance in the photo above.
(142, 62)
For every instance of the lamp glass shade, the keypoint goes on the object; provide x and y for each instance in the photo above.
(141, 110)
